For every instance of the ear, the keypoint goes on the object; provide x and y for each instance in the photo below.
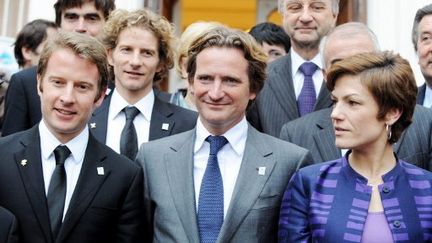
(27, 53)
(99, 101)
(110, 57)
(392, 116)
(39, 82)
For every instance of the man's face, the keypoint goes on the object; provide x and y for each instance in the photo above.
(221, 88)
(273, 51)
(68, 93)
(135, 60)
(85, 19)
(307, 21)
(33, 56)
(424, 47)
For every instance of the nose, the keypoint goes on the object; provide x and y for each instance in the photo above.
(216, 90)
(306, 14)
(135, 59)
(68, 95)
(81, 26)
(336, 113)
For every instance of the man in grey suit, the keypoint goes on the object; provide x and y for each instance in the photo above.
(294, 84)
(228, 196)
(315, 130)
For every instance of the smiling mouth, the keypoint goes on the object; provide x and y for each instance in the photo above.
(134, 73)
(65, 112)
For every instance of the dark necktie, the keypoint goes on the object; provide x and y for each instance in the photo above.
(128, 139)
(211, 197)
(307, 98)
(57, 190)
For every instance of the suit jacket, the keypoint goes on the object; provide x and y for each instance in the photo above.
(179, 120)
(276, 104)
(105, 207)
(315, 133)
(22, 102)
(421, 93)
(252, 216)
(8, 227)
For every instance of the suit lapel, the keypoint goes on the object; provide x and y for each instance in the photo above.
(421, 94)
(325, 138)
(99, 120)
(160, 125)
(249, 183)
(324, 100)
(179, 166)
(88, 184)
(29, 165)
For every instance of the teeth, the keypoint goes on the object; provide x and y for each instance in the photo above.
(65, 112)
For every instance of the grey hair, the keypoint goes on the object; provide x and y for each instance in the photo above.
(426, 10)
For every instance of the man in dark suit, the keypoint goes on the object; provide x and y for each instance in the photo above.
(57, 179)
(22, 103)
(222, 181)
(294, 85)
(8, 227)
(315, 131)
(139, 45)
(421, 38)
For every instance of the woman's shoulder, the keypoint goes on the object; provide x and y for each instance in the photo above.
(415, 171)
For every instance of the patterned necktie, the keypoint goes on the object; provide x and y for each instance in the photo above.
(57, 190)
(211, 197)
(307, 97)
(128, 139)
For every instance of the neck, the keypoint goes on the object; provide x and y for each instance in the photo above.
(305, 52)
(133, 96)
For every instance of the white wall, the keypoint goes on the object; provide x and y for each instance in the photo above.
(392, 20)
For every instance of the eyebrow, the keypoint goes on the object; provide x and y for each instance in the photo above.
(86, 15)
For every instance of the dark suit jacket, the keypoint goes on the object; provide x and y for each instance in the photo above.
(276, 104)
(104, 207)
(254, 208)
(315, 133)
(8, 227)
(421, 94)
(179, 120)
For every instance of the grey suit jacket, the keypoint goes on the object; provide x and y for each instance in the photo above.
(169, 195)
(177, 118)
(421, 93)
(315, 133)
(276, 104)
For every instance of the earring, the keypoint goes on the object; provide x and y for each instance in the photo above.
(389, 131)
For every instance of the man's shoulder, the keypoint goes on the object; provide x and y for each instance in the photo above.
(28, 74)
(310, 119)
(177, 110)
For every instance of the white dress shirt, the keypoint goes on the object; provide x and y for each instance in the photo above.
(229, 158)
(427, 102)
(73, 163)
(298, 77)
(117, 119)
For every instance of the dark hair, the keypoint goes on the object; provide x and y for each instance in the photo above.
(426, 10)
(225, 37)
(106, 6)
(30, 37)
(271, 34)
(390, 80)
(85, 46)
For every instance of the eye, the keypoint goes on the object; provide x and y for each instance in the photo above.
(148, 53)
(318, 7)
(92, 17)
(83, 87)
(353, 103)
(293, 7)
(70, 16)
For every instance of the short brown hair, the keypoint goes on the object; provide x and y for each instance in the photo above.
(231, 38)
(83, 45)
(106, 6)
(388, 77)
(120, 20)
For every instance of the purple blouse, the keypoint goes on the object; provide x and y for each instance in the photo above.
(376, 229)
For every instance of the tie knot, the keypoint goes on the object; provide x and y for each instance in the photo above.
(131, 112)
(216, 143)
(308, 68)
(61, 153)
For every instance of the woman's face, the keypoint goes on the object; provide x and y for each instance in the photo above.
(354, 115)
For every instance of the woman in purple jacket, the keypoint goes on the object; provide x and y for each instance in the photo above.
(369, 195)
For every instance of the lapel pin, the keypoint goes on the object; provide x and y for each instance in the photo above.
(24, 162)
(108, 91)
(261, 170)
(165, 126)
(93, 125)
(100, 171)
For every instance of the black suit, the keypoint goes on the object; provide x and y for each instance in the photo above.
(179, 120)
(104, 207)
(8, 227)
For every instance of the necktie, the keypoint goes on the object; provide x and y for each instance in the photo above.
(57, 190)
(307, 97)
(128, 139)
(211, 197)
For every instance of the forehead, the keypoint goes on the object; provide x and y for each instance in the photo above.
(326, 2)
(222, 58)
(146, 37)
(425, 24)
(339, 48)
(85, 8)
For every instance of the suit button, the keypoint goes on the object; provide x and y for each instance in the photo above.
(386, 189)
(397, 224)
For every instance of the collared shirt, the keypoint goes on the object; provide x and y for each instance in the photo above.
(427, 102)
(73, 163)
(298, 77)
(229, 158)
(117, 119)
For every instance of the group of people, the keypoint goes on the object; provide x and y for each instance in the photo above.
(330, 142)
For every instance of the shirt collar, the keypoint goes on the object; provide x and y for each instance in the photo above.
(236, 136)
(77, 145)
(297, 61)
(144, 105)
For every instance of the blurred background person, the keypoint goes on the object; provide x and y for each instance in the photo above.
(31, 40)
(369, 192)
(272, 38)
